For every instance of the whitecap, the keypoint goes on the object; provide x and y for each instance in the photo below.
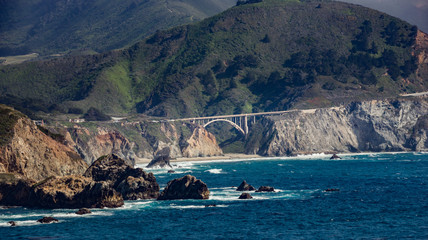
(215, 171)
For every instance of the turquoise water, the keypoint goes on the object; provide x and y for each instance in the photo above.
(382, 196)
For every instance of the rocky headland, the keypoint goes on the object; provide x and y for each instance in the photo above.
(26, 150)
(369, 126)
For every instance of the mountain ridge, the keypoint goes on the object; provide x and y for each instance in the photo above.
(271, 55)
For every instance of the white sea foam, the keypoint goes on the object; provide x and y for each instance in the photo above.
(215, 171)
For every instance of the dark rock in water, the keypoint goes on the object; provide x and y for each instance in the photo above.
(47, 220)
(245, 196)
(15, 190)
(332, 190)
(171, 171)
(74, 192)
(132, 183)
(211, 205)
(335, 157)
(245, 187)
(265, 189)
(162, 159)
(187, 187)
(83, 211)
(12, 223)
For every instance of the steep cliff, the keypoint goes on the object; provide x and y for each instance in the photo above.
(202, 143)
(379, 125)
(25, 150)
(140, 140)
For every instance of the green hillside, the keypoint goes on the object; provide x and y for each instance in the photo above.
(58, 26)
(271, 55)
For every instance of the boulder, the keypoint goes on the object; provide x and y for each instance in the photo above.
(74, 192)
(245, 187)
(245, 196)
(187, 187)
(335, 157)
(83, 211)
(265, 189)
(132, 183)
(171, 171)
(12, 223)
(47, 220)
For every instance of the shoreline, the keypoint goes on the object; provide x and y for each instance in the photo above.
(240, 156)
(228, 156)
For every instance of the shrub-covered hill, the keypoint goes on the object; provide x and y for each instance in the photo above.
(58, 26)
(270, 55)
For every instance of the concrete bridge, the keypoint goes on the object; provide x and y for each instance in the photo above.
(241, 122)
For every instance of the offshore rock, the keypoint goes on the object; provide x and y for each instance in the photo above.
(162, 160)
(335, 157)
(187, 187)
(26, 150)
(245, 187)
(265, 189)
(245, 196)
(47, 220)
(83, 211)
(132, 183)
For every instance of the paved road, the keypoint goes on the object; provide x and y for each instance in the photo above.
(415, 94)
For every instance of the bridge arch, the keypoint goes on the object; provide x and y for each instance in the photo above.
(228, 121)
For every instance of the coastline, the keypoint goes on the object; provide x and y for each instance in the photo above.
(240, 156)
(228, 156)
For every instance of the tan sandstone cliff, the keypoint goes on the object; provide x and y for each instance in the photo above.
(137, 140)
(26, 150)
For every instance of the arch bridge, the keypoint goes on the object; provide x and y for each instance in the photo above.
(241, 122)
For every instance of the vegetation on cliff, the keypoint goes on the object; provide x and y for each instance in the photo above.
(264, 56)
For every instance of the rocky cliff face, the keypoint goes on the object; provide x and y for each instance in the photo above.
(132, 141)
(389, 125)
(29, 152)
(201, 143)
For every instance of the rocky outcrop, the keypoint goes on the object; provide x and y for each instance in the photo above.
(245, 196)
(334, 156)
(74, 192)
(58, 192)
(83, 211)
(265, 189)
(132, 183)
(162, 160)
(15, 190)
(379, 125)
(201, 144)
(28, 151)
(245, 187)
(187, 187)
(47, 220)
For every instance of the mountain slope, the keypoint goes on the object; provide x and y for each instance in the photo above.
(272, 55)
(58, 26)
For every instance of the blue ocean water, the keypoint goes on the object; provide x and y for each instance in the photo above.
(382, 196)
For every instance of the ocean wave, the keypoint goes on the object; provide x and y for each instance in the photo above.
(215, 171)
(23, 223)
